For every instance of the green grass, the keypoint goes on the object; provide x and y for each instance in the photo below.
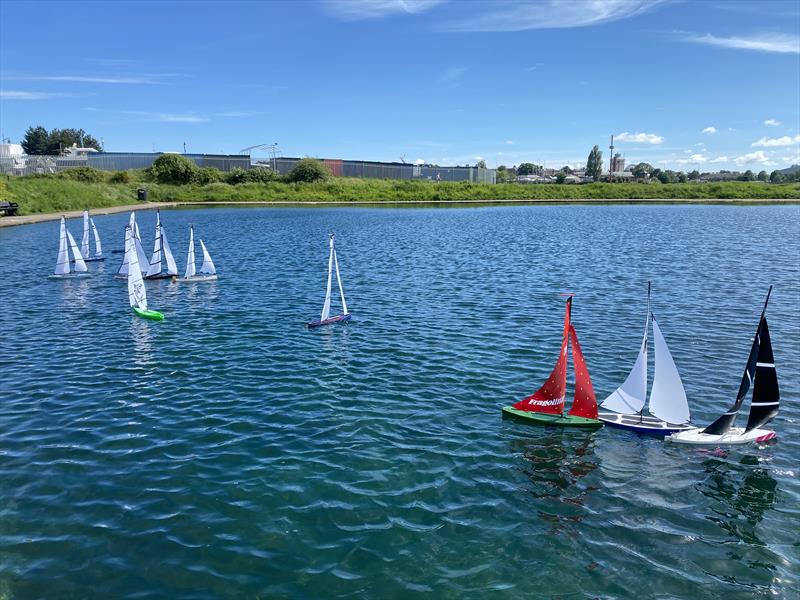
(53, 194)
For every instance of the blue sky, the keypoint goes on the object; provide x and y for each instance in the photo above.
(708, 85)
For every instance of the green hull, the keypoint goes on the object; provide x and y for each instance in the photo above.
(543, 419)
(153, 315)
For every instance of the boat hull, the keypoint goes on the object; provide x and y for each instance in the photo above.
(160, 276)
(196, 278)
(70, 275)
(736, 435)
(545, 419)
(642, 424)
(94, 259)
(330, 321)
(153, 315)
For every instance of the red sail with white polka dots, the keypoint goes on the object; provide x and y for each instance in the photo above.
(584, 403)
(549, 398)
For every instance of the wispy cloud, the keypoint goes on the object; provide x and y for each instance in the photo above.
(760, 42)
(641, 138)
(772, 122)
(719, 159)
(158, 117)
(533, 67)
(509, 142)
(547, 14)
(709, 130)
(452, 76)
(234, 114)
(753, 157)
(149, 80)
(359, 10)
(766, 142)
(20, 95)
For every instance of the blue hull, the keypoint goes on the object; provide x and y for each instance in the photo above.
(330, 321)
(643, 425)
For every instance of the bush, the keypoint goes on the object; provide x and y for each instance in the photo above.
(83, 174)
(256, 175)
(174, 168)
(120, 177)
(208, 175)
(309, 169)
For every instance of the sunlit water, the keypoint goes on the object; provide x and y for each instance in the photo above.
(228, 452)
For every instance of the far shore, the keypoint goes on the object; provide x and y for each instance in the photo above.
(54, 216)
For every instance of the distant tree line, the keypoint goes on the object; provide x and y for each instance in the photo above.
(38, 140)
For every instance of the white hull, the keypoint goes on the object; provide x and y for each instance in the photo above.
(736, 435)
(646, 424)
(197, 278)
(70, 276)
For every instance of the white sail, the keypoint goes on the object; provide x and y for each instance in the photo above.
(62, 262)
(141, 257)
(85, 239)
(207, 268)
(629, 398)
(80, 265)
(172, 268)
(190, 257)
(339, 280)
(137, 296)
(667, 398)
(155, 260)
(98, 248)
(326, 307)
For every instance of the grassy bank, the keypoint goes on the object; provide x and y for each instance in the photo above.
(52, 194)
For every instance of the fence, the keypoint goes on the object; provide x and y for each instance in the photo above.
(112, 161)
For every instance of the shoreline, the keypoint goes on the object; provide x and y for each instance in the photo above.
(53, 216)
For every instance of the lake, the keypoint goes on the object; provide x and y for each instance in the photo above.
(228, 452)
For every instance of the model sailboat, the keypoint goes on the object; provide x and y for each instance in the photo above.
(66, 243)
(141, 257)
(161, 247)
(208, 272)
(761, 374)
(326, 318)
(546, 406)
(98, 249)
(137, 295)
(668, 405)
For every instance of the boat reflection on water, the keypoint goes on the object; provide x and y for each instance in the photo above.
(740, 495)
(556, 464)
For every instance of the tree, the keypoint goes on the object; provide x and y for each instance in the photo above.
(561, 176)
(35, 140)
(694, 175)
(748, 176)
(481, 164)
(642, 170)
(308, 170)
(762, 176)
(503, 174)
(776, 177)
(526, 168)
(174, 168)
(682, 178)
(594, 164)
(566, 170)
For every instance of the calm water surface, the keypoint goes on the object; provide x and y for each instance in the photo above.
(228, 452)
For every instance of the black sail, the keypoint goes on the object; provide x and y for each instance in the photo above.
(766, 395)
(725, 422)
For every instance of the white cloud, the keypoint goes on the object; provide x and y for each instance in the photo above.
(710, 130)
(509, 142)
(419, 161)
(641, 138)
(772, 122)
(767, 42)
(719, 159)
(19, 95)
(693, 159)
(157, 116)
(753, 157)
(234, 113)
(149, 80)
(548, 14)
(766, 142)
(358, 10)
